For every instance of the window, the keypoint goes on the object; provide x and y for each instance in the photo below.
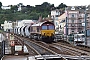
(56, 23)
(80, 21)
(73, 15)
(87, 24)
(51, 27)
(73, 31)
(72, 24)
(60, 26)
(37, 29)
(44, 27)
(72, 21)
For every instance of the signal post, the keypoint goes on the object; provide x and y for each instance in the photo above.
(16, 46)
(12, 43)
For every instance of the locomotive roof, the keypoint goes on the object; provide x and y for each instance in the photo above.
(40, 23)
(37, 24)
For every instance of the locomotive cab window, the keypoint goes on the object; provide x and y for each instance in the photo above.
(37, 29)
(51, 27)
(44, 27)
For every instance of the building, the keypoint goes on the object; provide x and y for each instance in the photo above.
(6, 7)
(58, 16)
(21, 8)
(8, 26)
(54, 15)
(88, 20)
(75, 18)
(62, 22)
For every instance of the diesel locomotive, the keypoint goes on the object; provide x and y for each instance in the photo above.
(43, 31)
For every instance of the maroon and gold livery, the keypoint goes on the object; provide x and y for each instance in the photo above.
(43, 31)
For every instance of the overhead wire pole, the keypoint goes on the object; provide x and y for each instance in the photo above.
(85, 27)
(66, 29)
(66, 25)
(12, 39)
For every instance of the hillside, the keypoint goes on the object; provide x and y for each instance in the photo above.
(28, 12)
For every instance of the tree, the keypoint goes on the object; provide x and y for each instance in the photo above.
(45, 4)
(28, 12)
(62, 6)
(0, 5)
(20, 4)
(52, 7)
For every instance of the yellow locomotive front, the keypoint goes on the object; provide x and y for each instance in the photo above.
(48, 31)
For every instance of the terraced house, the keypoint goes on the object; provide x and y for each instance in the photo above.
(76, 19)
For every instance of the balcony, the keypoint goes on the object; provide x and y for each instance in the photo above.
(75, 23)
(75, 27)
(80, 17)
(72, 18)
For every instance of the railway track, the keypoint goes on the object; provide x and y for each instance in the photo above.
(49, 47)
(54, 49)
(41, 49)
(65, 50)
(31, 50)
(71, 50)
(38, 47)
(83, 47)
(80, 47)
(59, 48)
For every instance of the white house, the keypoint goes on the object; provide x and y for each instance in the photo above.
(54, 15)
(19, 8)
(6, 7)
(8, 26)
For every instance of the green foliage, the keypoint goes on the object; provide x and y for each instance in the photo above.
(62, 6)
(14, 8)
(28, 12)
(0, 4)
